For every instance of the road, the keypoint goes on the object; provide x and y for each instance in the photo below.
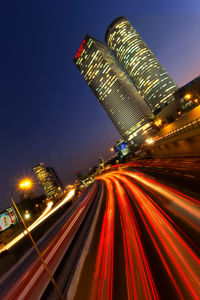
(29, 279)
(146, 244)
(131, 236)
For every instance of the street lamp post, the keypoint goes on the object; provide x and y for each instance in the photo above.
(27, 184)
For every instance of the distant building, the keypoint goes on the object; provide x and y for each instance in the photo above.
(189, 94)
(151, 80)
(27, 194)
(116, 93)
(45, 178)
(121, 148)
(55, 178)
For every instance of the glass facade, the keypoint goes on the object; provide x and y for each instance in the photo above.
(114, 90)
(46, 180)
(149, 77)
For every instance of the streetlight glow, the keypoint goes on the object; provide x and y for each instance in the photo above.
(149, 141)
(188, 96)
(158, 122)
(27, 215)
(25, 184)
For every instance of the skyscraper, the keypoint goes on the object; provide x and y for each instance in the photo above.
(149, 77)
(55, 178)
(45, 178)
(114, 90)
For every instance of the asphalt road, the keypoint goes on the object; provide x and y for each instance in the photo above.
(146, 242)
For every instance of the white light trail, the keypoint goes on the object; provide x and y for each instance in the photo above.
(46, 213)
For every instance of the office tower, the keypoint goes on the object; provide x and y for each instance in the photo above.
(114, 90)
(149, 77)
(55, 178)
(45, 178)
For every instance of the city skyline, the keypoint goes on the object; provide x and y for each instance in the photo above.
(41, 120)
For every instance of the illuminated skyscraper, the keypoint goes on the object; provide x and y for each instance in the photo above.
(55, 178)
(45, 178)
(114, 90)
(149, 77)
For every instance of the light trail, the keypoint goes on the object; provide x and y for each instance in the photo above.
(187, 208)
(140, 284)
(45, 214)
(179, 261)
(102, 285)
(33, 282)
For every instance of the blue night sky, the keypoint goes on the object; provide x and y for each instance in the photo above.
(48, 113)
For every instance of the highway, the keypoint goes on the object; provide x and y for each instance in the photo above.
(131, 235)
(146, 244)
(28, 280)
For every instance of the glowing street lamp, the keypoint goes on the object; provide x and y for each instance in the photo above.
(27, 214)
(158, 123)
(150, 141)
(112, 149)
(26, 184)
(188, 96)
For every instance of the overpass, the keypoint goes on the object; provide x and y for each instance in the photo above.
(179, 139)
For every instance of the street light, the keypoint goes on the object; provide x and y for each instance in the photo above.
(158, 123)
(27, 214)
(112, 149)
(26, 184)
(150, 141)
(188, 96)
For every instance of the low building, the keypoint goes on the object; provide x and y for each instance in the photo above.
(189, 94)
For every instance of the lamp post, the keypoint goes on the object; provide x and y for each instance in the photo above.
(26, 184)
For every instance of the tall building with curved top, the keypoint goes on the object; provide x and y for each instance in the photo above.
(116, 93)
(149, 77)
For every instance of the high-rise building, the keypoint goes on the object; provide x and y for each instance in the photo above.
(45, 178)
(55, 178)
(116, 93)
(149, 77)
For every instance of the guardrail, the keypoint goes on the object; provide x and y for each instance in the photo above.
(189, 126)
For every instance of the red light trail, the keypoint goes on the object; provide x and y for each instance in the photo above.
(179, 260)
(103, 278)
(140, 283)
